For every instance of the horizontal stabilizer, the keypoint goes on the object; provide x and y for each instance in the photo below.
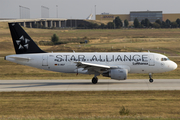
(21, 58)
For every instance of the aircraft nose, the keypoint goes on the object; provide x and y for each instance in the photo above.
(173, 65)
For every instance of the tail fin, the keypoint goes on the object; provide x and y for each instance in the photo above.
(23, 43)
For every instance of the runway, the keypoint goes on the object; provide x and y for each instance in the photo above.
(86, 85)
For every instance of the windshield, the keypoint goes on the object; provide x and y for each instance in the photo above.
(164, 59)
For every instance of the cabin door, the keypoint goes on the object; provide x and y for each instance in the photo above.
(45, 60)
(151, 60)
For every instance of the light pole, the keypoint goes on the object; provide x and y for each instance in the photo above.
(71, 22)
(115, 23)
(20, 11)
(57, 10)
(24, 12)
(95, 12)
(44, 11)
(29, 12)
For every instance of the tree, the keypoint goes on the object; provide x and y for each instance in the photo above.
(150, 24)
(136, 23)
(147, 23)
(95, 25)
(174, 25)
(168, 23)
(102, 26)
(163, 25)
(143, 23)
(81, 26)
(156, 25)
(90, 26)
(158, 22)
(54, 38)
(178, 22)
(110, 25)
(118, 22)
(126, 23)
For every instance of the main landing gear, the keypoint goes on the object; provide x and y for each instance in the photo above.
(150, 78)
(94, 80)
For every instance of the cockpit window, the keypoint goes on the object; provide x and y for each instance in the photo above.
(164, 59)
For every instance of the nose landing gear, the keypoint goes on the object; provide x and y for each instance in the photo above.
(150, 78)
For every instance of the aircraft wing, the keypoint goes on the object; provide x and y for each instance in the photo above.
(94, 67)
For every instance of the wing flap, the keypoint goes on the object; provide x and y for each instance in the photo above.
(86, 65)
(94, 67)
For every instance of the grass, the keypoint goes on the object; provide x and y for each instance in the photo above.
(91, 105)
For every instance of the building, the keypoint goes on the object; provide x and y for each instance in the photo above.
(111, 17)
(151, 15)
(172, 17)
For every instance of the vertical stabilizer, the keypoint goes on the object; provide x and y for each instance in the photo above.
(23, 43)
(89, 17)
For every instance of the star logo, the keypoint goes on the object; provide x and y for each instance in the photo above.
(23, 43)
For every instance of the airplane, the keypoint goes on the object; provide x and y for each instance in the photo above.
(115, 65)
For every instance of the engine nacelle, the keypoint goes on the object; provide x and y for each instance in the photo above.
(117, 74)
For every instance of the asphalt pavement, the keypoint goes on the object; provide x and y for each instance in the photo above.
(86, 85)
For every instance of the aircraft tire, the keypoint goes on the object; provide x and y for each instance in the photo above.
(151, 80)
(94, 80)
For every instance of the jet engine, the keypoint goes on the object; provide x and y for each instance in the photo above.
(117, 74)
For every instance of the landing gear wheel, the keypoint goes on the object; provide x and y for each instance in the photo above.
(150, 80)
(94, 80)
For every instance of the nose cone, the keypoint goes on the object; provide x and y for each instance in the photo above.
(173, 65)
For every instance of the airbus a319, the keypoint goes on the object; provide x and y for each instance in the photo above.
(115, 65)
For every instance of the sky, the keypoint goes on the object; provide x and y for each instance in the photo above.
(81, 9)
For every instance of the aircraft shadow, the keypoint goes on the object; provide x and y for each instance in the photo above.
(42, 84)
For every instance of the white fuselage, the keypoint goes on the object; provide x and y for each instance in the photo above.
(134, 62)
